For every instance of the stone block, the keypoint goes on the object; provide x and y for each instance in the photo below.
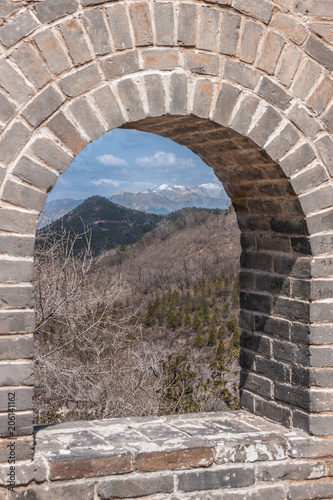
(309, 179)
(290, 27)
(256, 383)
(328, 119)
(225, 104)
(321, 377)
(325, 147)
(274, 94)
(241, 74)
(16, 246)
(324, 30)
(81, 81)
(16, 347)
(25, 473)
(16, 29)
(14, 373)
(307, 7)
(311, 490)
(141, 22)
(288, 225)
(52, 51)
(55, 492)
(24, 449)
(155, 94)
(273, 411)
(109, 107)
(28, 59)
(67, 133)
(279, 146)
(290, 471)
(13, 140)
(273, 326)
(13, 271)
(321, 52)
(202, 63)
(36, 174)
(23, 424)
(43, 106)
(161, 59)
(272, 284)
(321, 288)
(288, 65)
(292, 309)
(52, 154)
(292, 395)
(76, 42)
(203, 98)
(209, 22)
(130, 96)
(321, 312)
(23, 196)
(49, 11)
(319, 222)
(178, 94)
(251, 36)
(23, 398)
(255, 302)
(137, 486)
(14, 83)
(16, 221)
(230, 25)
(276, 370)
(187, 17)
(304, 121)
(321, 334)
(119, 24)
(7, 108)
(246, 360)
(298, 159)
(321, 356)
(260, 9)
(270, 52)
(321, 400)
(256, 342)
(164, 23)
(321, 96)
(305, 79)
(97, 30)
(223, 477)
(87, 118)
(301, 245)
(243, 118)
(120, 65)
(257, 260)
(194, 454)
(265, 126)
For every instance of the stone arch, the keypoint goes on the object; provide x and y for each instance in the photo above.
(249, 89)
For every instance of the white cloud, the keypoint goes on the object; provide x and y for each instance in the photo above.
(108, 182)
(112, 161)
(162, 159)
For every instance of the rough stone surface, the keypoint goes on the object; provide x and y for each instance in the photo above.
(13, 82)
(81, 81)
(27, 58)
(52, 51)
(17, 29)
(119, 24)
(120, 64)
(250, 41)
(97, 30)
(43, 106)
(229, 33)
(48, 11)
(67, 133)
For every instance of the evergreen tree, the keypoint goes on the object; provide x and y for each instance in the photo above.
(199, 339)
(225, 309)
(172, 319)
(212, 334)
(188, 320)
(221, 332)
(220, 351)
(206, 312)
(197, 321)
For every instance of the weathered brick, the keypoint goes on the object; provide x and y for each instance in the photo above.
(134, 487)
(272, 284)
(96, 27)
(270, 52)
(239, 73)
(319, 51)
(251, 35)
(289, 351)
(14, 83)
(328, 119)
(202, 63)
(320, 222)
(203, 98)
(305, 79)
(43, 106)
(265, 126)
(289, 62)
(86, 117)
(16, 29)
(24, 449)
(130, 96)
(51, 153)
(76, 42)
(304, 121)
(67, 133)
(48, 10)
(208, 28)
(54, 492)
(16, 221)
(307, 7)
(120, 65)
(261, 9)
(187, 17)
(13, 140)
(225, 477)
(290, 27)
(257, 260)
(28, 59)
(112, 113)
(324, 30)
(16, 246)
(282, 143)
(273, 369)
(273, 411)
(322, 312)
(160, 59)
(155, 94)
(270, 91)
(178, 94)
(298, 159)
(36, 174)
(325, 148)
(256, 383)
(311, 490)
(52, 51)
(256, 342)
(119, 24)
(194, 454)
(141, 23)
(164, 23)
(7, 108)
(16, 347)
(309, 179)
(246, 360)
(290, 471)
(321, 400)
(291, 309)
(23, 196)
(81, 81)
(301, 245)
(230, 25)
(23, 424)
(321, 377)
(242, 120)
(321, 95)
(274, 326)
(225, 104)
(246, 400)
(321, 268)
(255, 302)
(16, 373)
(23, 398)
(292, 395)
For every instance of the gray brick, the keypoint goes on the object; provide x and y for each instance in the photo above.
(119, 24)
(292, 309)
(325, 148)
(292, 395)
(256, 342)
(96, 27)
(86, 117)
(273, 369)
(48, 10)
(16, 271)
(265, 126)
(23, 424)
(12, 141)
(323, 30)
(120, 65)
(305, 79)
(290, 27)
(273, 411)
(43, 106)
(251, 35)
(164, 23)
(208, 28)
(51, 154)
(297, 267)
(7, 108)
(18, 222)
(163, 59)
(229, 33)
(289, 471)
(16, 373)
(282, 143)
(178, 94)
(23, 398)
(321, 377)
(261, 9)
(257, 260)
(270, 52)
(242, 120)
(226, 477)
(141, 23)
(274, 326)
(247, 400)
(274, 94)
(187, 17)
(130, 96)
(203, 98)
(300, 332)
(290, 352)
(28, 59)
(155, 95)
(256, 383)
(225, 104)
(17, 322)
(320, 222)
(321, 96)
(52, 51)
(322, 312)
(298, 159)
(23, 196)
(321, 9)
(321, 334)
(328, 119)
(18, 28)
(322, 289)
(304, 121)
(311, 490)
(16, 246)
(76, 42)
(307, 180)
(322, 243)
(16, 347)
(54, 492)
(321, 268)
(112, 113)
(67, 133)
(255, 302)
(289, 62)
(202, 63)
(321, 400)
(81, 81)
(135, 487)
(319, 51)
(239, 73)
(13, 83)
(36, 174)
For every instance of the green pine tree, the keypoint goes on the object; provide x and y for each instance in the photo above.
(188, 320)
(206, 312)
(212, 334)
(221, 332)
(199, 339)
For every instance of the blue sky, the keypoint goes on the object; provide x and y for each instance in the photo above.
(129, 160)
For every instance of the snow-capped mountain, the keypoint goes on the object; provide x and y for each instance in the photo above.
(163, 198)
